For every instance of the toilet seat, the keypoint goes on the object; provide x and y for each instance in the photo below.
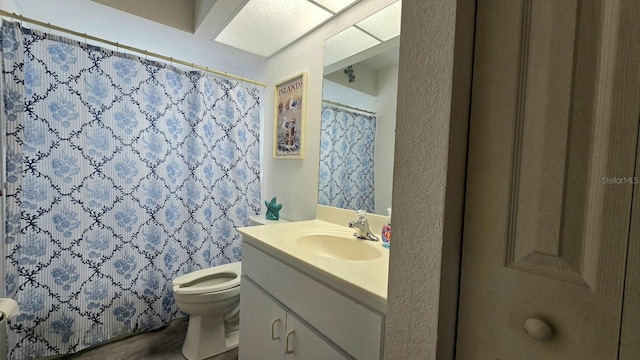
(210, 280)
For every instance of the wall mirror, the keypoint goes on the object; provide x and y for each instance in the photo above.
(359, 113)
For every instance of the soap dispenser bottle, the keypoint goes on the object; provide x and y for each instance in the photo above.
(386, 231)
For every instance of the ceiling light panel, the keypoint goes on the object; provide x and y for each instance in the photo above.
(335, 5)
(346, 43)
(385, 24)
(263, 28)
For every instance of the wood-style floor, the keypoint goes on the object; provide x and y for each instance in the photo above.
(162, 344)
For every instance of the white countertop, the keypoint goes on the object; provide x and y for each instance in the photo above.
(364, 281)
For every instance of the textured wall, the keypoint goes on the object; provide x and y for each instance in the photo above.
(424, 166)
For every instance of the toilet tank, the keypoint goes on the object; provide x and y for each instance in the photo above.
(261, 220)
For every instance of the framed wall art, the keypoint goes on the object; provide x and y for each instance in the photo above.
(289, 118)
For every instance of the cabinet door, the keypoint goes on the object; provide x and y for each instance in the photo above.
(262, 325)
(305, 344)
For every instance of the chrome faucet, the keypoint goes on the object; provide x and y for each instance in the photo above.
(362, 227)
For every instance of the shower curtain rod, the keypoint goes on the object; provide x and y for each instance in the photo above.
(130, 48)
(348, 107)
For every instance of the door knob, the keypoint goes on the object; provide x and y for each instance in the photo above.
(538, 329)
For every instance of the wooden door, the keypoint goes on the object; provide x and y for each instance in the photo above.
(553, 133)
(630, 334)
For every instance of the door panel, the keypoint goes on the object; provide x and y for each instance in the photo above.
(551, 156)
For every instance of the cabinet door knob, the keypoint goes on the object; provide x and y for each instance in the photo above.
(538, 329)
(273, 325)
(286, 346)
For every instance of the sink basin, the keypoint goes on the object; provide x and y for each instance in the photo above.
(345, 247)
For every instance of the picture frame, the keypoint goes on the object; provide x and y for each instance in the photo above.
(290, 117)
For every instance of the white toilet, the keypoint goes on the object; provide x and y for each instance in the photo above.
(211, 297)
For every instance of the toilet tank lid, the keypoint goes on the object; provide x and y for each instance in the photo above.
(196, 282)
(262, 220)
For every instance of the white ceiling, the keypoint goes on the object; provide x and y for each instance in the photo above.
(261, 27)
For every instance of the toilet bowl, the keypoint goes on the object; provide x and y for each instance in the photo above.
(211, 298)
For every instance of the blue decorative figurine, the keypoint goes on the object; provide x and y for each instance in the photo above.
(273, 209)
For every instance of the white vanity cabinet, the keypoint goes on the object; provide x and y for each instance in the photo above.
(273, 333)
(278, 300)
(263, 335)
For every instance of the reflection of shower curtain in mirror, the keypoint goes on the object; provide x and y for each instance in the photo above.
(347, 144)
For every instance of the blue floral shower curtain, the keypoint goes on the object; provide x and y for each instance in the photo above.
(123, 173)
(347, 146)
